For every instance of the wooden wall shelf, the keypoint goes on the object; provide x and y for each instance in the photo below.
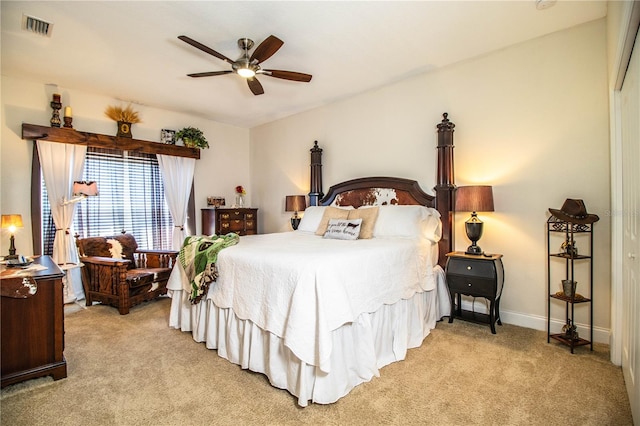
(72, 136)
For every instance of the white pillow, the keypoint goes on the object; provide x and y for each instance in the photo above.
(311, 218)
(343, 229)
(432, 228)
(408, 221)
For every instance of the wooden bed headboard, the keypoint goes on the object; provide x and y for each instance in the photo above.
(377, 191)
(392, 190)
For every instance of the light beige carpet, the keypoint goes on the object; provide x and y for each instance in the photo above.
(135, 370)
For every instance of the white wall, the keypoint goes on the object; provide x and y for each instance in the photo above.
(220, 168)
(532, 120)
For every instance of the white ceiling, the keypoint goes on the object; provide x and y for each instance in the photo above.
(130, 50)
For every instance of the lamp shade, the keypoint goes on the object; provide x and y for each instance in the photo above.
(295, 203)
(478, 198)
(12, 221)
(87, 189)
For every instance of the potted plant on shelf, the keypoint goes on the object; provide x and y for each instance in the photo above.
(192, 137)
(125, 117)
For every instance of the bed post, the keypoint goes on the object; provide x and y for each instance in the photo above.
(315, 191)
(445, 187)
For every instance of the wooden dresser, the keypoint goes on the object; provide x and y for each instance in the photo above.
(32, 339)
(222, 220)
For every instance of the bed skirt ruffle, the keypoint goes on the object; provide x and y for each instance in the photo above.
(360, 349)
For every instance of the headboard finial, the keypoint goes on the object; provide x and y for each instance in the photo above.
(445, 125)
(315, 193)
(315, 148)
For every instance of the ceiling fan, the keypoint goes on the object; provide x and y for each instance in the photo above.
(249, 66)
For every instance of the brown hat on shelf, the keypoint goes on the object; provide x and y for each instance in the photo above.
(574, 211)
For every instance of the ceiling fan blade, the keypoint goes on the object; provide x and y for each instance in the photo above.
(289, 75)
(255, 86)
(204, 48)
(267, 48)
(209, 74)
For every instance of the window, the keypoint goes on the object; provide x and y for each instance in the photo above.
(131, 199)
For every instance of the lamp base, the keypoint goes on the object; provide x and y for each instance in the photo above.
(295, 222)
(12, 248)
(473, 249)
(473, 227)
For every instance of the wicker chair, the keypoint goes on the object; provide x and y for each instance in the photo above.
(117, 273)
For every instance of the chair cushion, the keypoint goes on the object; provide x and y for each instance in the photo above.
(99, 246)
(139, 277)
(159, 274)
(129, 246)
(95, 246)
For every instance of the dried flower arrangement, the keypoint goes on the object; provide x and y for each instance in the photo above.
(127, 115)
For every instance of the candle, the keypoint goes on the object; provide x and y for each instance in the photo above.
(67, 111)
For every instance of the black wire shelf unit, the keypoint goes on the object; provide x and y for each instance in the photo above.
(570, 258)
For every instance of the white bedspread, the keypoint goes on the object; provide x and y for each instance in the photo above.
(301, 287)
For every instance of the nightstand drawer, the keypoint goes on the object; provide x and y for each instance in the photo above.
(474, 268)
(472, 286)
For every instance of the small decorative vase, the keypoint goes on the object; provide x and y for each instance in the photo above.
(124, 130)
(569, 288)
(189, 143)
(239, 200)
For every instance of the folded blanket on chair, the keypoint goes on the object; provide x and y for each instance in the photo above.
(198, 257)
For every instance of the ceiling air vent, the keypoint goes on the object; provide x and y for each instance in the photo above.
(36, 25)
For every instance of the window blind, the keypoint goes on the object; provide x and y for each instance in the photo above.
(131, 199)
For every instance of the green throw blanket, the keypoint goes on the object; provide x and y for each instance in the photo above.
(198, 257)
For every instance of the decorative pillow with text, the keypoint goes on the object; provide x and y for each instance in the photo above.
(343, 229)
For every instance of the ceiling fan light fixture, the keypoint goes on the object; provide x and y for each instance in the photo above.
(247, 66)
(246, 72)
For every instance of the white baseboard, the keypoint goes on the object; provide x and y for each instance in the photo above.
(600, 335)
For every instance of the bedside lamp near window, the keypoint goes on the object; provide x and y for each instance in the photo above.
(295, 203)
(474, 199)
(11, 222)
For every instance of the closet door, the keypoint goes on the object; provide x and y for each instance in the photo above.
(630, 126)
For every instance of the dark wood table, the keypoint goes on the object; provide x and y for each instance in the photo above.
(32, 328)
(476, 276)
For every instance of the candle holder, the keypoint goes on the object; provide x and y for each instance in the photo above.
(67, 122)
(56, 105)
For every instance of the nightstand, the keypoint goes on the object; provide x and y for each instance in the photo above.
(476, 276)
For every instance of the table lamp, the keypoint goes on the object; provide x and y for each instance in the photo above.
(295, 203)
(478, 198)
(12, 222)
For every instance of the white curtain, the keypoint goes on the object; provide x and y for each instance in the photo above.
(61, 165)
(177, 176)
